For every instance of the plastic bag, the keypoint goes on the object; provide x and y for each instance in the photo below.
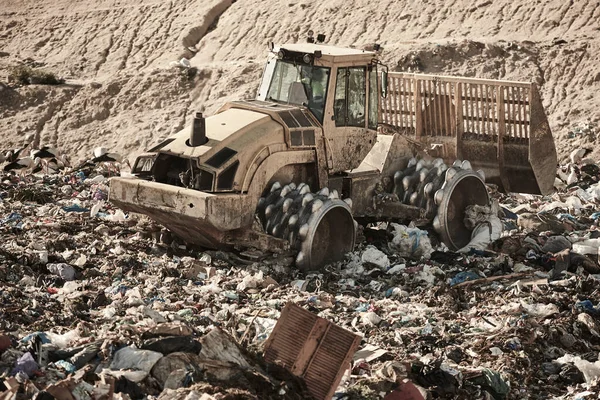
(376, 257)
(134, 358)
(591, 371)
(486, 226)
(65, 271)
(589, 246)
(26, 364)
(411, 242)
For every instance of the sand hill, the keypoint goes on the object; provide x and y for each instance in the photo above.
(123, 92)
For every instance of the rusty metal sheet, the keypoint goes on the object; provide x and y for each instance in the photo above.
(312, 348)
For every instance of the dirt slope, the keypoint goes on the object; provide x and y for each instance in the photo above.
(124, 93)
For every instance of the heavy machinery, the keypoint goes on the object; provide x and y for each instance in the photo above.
(333, 138)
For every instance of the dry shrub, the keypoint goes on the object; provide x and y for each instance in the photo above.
(25, 75)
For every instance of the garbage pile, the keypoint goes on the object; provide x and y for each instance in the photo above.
(99, 304)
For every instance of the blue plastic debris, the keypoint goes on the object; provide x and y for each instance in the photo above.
(513, 344)
(13, 219)
(75, 208)
(116, 290)
(155, 298)
(26, 364)
(463, 277)
(67, 366)
(509, 214)
(588, 307)
(480, 253)
(231, 295)
(509, 225)
(564, 216)
(362, 307)
(41, 335)
(100, 194)
(416, 234)
(531, 255)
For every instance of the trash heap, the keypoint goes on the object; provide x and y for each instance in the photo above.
(99, 304)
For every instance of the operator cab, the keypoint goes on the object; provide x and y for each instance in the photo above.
(301, 74)
(340, 88)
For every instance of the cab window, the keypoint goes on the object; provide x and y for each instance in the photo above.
(350, 97)
(299, 84)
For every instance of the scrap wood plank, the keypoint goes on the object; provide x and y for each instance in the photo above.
(311, 348)
(493, 278)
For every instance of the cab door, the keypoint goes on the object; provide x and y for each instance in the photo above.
(350, 123)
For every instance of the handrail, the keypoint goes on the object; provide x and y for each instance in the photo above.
(446, 78)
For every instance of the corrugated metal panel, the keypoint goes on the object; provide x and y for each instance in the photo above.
(291, 114)
(267, 105)
(281, 348)
(312, 348)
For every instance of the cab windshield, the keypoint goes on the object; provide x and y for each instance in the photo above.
(304, 85)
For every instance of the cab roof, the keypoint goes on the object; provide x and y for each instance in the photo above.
(325, 49)
(331, 53)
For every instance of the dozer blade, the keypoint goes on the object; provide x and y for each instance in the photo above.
(499, 126)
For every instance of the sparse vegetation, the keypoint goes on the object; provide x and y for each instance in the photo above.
(26, 75)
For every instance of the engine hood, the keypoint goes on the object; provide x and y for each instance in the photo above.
(221, 130)
(240, 136)
(241, 126)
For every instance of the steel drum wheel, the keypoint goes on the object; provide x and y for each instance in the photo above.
(465, 188)
(319, 225)
(445, 197)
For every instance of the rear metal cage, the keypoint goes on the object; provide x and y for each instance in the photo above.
(500, 126)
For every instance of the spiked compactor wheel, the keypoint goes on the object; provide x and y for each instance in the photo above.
(462, 187)
(318, 225)
(444, 192)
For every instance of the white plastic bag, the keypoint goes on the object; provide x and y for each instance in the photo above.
(487, 226)
(589, 246)
(411, 242)
(591, 371)
(483, 235)
(372, 255)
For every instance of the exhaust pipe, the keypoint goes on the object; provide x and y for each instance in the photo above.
(198, 135)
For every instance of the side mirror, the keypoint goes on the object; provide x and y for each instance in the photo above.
(384, 83)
